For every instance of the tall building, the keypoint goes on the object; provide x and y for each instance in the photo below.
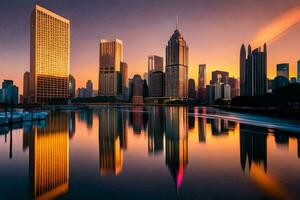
(298, 71)
(9, 92)
(111, 56)
(243, 70)
(155, 64)
(124, 74)
(177, 66)
(137, 89)
(72, 86)
(26, 87)
(157, 84)
(89, 88)
(256, 72)
(283, 70)
(191, 89)
(49, 55)
(201, 83)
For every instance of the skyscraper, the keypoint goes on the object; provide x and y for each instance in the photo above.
(256, 72)
(283, 70)
(111, 56)
(124, 74)
(9, 92)
(89, 88)
(177, 66)
(191, 89)
(155, 64)
(49, 55)
(243, 70)
(202, 83)
(219, 76)
(298, 71)
(26, 87)
(157, 84)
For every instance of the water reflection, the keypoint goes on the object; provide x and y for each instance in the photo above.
(168, 140)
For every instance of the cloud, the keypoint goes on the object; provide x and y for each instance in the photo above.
(277, 28)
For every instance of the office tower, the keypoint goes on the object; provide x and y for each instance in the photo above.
(157, 84)
(256, 72)
(72, 86)
(226, 91)
(176, 143)
(155, 63)
(298, 71)
(201, 83)
(243, 70)
(124, 78)
(234, 87)
(26, 87)
(111, 56)
(191, 89)
(89, 89)
(219, 76)
(283, 70)
(177, 67)
(9, 92)
(137, 89)
(49, 158)
(49, 55)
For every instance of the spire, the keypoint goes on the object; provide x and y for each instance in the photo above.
(176, 21)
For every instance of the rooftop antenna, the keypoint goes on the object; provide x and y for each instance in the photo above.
(176, 21)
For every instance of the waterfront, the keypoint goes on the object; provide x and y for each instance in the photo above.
(135, 152)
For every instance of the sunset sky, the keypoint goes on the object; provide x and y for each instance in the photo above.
(214, 31)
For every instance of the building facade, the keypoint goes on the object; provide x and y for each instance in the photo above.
(157, 84)
(191, 89)
(89, 88)
(298, 71)
(111, 56)
(283, 70)
(201, 83)
(177, 67)
(9, 93)
(26, 87)
(155, 64)
(243, 70)
(72, 87)
(124, 74)
(49, 55)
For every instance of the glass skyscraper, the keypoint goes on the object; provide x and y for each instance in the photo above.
(177, 67)
(49, 55)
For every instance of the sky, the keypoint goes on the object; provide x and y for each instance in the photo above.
(214, 31)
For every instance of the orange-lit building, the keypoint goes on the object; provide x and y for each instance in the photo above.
(49, 55)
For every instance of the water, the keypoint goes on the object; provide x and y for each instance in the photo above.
(151, 153)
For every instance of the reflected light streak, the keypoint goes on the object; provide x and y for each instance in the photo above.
(277, 28)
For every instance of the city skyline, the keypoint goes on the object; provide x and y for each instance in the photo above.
(206, 42)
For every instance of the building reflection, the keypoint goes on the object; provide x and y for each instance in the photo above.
(87, 117)
(112, 141)
(71, 124)
(253, 146)
(176, 142)
(138, 119)
(221, 127)
(49, 158)
(202, 129)
(191, 118)
(155, 130)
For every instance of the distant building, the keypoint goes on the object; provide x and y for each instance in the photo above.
(49, 55)
(201, 83)
(243, 70)
(137, 89)
(298, 71)
(146, 77)
(124, 78)
(177, 67)
(81, 93)
(256, 72)
(283, 70)
(280, 81)
(111, 56)
(26, 87)
(9, 92)
(226, 91)
(157, 84)
(234, 87)
(89, 88)
(293, 80)
(219, 76)
(72, 87)
(155, 63)
(191, 89)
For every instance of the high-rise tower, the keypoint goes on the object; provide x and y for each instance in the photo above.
(111, 56)
(49, 55)
(177, 66)
(242, 70)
